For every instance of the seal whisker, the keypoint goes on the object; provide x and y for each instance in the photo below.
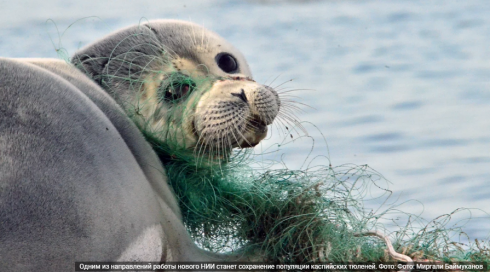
(292, 108)
(294, 122)
(199, 147)
(273, 80)
(287, 90)
(204, 44)
(269, 77)
(280, 124)
(287, 81)
(296, 104)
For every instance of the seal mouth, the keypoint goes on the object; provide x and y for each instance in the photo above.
(257, 124)
(258, 130)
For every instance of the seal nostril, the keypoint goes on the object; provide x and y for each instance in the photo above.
(241, 95)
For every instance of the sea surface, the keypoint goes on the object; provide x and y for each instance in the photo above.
(402, 86)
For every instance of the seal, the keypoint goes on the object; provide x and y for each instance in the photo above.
(78, 180)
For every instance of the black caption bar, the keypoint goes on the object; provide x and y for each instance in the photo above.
(193, 266)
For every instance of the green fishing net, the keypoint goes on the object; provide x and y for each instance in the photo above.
(302, 216)
(231, 201)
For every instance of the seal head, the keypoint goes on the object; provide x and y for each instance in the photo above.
(184, 84)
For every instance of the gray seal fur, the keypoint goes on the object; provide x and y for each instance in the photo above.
(78, 181)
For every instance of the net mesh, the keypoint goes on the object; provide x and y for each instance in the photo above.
(232, 201)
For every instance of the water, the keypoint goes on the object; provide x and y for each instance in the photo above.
(402, 86)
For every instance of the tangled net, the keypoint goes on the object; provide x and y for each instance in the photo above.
(293, 216)
(298, 216)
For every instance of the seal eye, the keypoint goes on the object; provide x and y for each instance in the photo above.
(175, 92)
(227, 62)
(176, 89)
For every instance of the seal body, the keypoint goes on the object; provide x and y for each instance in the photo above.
(78, 181)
